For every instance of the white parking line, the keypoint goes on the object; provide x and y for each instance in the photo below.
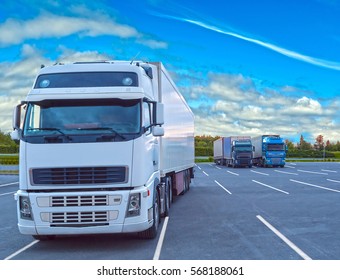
(292, 163)
(218, 167)
(259, 172)
(205, 173)
(9, 184)
(270, 187)
(7, 193)
(333, 180)
(161, 240)
(315, 186)
(289, 166)
(21, 250)
(285, 172)
(222, 187)
(233, 173)
(313, 172)
(199, 167)
(285, 239)
(329, 170)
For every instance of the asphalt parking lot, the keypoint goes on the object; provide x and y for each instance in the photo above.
(290, 213)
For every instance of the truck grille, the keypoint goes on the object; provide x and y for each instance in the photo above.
(79, 217)
(244, 161)
(86, 200)
(276, 160)
(79, 175)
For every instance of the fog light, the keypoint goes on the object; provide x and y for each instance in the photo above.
(25, 208)
(133, 205)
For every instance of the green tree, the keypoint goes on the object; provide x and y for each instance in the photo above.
(204, 145)
(303, 145)
(290, 145)
(7, 145)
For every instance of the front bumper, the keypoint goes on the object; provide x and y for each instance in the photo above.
(94, 212)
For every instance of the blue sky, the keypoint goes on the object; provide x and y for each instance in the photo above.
(245, 67)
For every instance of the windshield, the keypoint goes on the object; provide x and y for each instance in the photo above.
(275, 147)
(72, 120)
(244, 148)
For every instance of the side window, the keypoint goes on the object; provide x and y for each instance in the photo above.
(22, 116)
(147, 116)
(34, 117)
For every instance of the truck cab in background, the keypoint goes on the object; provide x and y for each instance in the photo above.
(270, 151)
(234, 151)
(242, 150)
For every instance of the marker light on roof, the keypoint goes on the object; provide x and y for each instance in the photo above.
(127, 81)
(44, 83)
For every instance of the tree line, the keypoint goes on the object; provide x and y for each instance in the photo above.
(7, 145)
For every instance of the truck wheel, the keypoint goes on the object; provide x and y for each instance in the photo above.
(151, 232)
(168, 196)
(187, 177)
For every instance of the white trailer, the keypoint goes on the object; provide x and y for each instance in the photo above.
(104, 146)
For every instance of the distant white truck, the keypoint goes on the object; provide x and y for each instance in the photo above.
(235, 151)
(104, 146)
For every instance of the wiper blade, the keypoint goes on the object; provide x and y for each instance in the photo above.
(52, 129)
(104, 128)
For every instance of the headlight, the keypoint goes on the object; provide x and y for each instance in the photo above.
(133, 205)
(25, 208)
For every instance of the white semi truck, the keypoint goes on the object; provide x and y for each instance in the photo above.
(104, 147)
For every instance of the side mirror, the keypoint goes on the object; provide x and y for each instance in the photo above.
(158, 131)
(15, 135)
(16, 122)
(16, 117)
(253, 148)
(158, 114)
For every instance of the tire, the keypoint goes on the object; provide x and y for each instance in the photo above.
(168, 196)
(188, 179)
(185, 181)
(151, 232)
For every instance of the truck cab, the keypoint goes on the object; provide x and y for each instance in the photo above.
(242, 151)
(270, 151)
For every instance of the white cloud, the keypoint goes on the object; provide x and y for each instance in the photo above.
(305, 106)
(238, 107)
(7, 105)
(69, 55)
(17, 78)
(49, 25)
(153, 44)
